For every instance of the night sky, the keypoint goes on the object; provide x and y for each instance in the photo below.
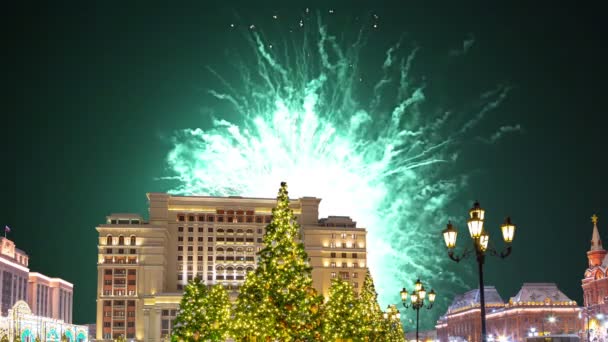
(95, 92)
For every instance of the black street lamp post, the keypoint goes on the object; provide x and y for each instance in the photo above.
(417, 300)
(480, 246)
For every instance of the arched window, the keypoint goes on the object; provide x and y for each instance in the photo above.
(239, 269)
(220, 230)
(229, 230)
(109, 240)
(121, 240)
(239, 231)
(219, 268)
(249, 231)
(229, 269)
(133, 240)
(229, 250)
(239, 250)
(219, 250)
(249, 269)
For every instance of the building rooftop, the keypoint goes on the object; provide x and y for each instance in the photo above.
(538, 292)
(471, 298)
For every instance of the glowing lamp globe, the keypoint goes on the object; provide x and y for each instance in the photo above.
(422, 293)
(403, 295)
(432, 296)
(475, 221)
(449, 235)
(414, 298)
(483, 241)
(418, 285)
(508, 230)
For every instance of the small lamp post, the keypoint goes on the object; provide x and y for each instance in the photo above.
(481, 239)
(418, 300)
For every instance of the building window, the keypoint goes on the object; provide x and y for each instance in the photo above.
(354, 255)
(355, 285)
(191, 218)
(133, 240)
(109, 240)
(190, 229)
(190, 238)
(200, 239)
(181, 218)
(132, 272)
(200, 258)
(344, 255)
(180, 248)
(180, 229)
(180, 258)
(180, 238)
(190, 248)
(210, 239)
(343, 265)
(333, 275)
(355, 275)
(108, 272)
(332, 264)
(333, 254)
(200, 229)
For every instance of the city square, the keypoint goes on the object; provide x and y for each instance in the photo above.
(305, 171)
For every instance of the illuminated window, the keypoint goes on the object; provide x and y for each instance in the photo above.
(333, 275)
(109, 240)
(332, 264)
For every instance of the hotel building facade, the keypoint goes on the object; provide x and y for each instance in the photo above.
(144, 265)
(32, 304)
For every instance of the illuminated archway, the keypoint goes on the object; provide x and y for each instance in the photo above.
(53, 335)
(81, 337)
(69, 335)
(26, 336)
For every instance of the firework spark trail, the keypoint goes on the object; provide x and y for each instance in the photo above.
(378, 161)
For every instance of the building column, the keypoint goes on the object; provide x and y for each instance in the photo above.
(155, 332)
(147, 325)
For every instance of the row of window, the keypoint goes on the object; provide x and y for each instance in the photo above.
(109, 271)
(221, 239)
(220, 230)
(180, 248)
(118, 324)
(221, 217)
(120, 251)
(333, 244)
(217, 257)
(344, 235)
(119, 281)
(343, 265)
(345, 275)
(107, 303)
(119, 314)
(344, 255)
(119, 293)
(121, 240)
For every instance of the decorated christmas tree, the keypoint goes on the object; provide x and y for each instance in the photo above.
(204, 315)
(342, 314)
(393, 331)
(277, 300)
(372, 319)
